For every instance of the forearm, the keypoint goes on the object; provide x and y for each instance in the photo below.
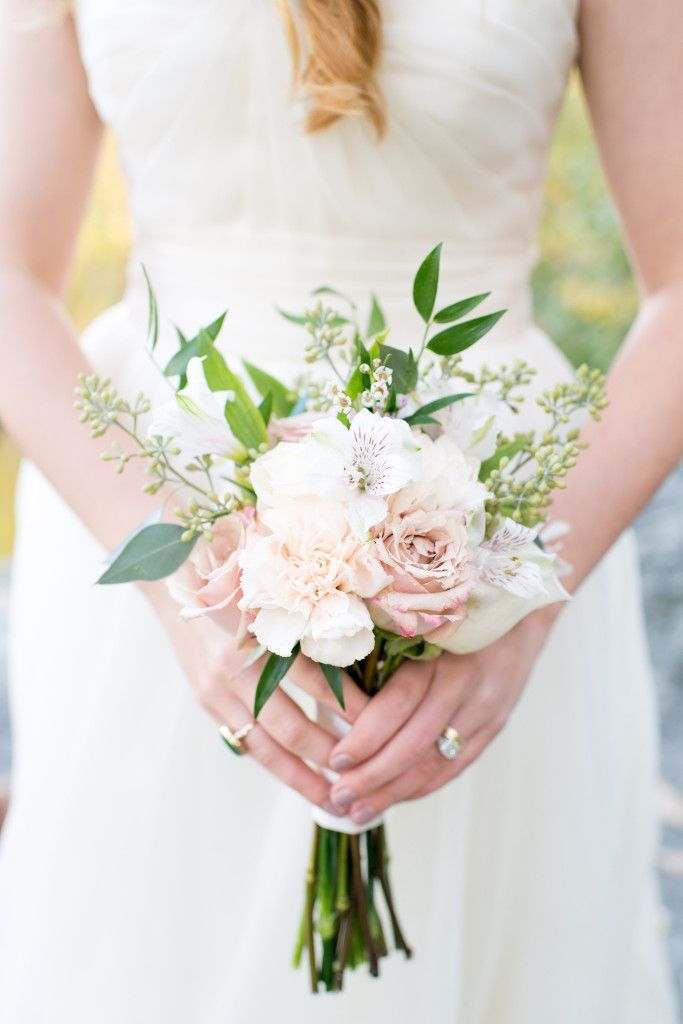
(40, 366)
(636, 444)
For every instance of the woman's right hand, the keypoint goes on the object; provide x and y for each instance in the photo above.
(284, 738)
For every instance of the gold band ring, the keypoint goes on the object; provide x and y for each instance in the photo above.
(449, 743)
(234, 740)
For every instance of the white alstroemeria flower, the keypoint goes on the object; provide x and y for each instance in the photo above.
(194, 419)
(503, 563)
(363, 465)
(517, 577)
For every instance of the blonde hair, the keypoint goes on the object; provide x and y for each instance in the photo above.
(336, 48)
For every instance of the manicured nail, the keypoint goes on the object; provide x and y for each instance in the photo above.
(341, 763)
(343, 798)
(331, 809)
(362, 814)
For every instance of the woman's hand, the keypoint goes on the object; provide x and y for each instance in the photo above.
(283, 737)
(391, 753)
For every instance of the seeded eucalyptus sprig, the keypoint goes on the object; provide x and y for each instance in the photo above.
(525, 470)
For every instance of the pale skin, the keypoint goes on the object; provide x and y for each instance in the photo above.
(49, 138)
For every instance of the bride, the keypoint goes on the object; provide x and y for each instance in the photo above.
(146, 877)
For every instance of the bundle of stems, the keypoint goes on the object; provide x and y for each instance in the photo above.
(341, 926)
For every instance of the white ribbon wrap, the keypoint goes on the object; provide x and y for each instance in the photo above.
(339, 727)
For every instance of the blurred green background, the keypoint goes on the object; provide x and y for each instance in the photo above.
(583, 290)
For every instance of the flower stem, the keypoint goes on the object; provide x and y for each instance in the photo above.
(362, 906)
(310, 901)
(381, 874)
(370, 667)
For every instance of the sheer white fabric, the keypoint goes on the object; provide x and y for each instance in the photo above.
(145, 876)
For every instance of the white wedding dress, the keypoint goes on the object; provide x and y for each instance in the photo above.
(148, 877)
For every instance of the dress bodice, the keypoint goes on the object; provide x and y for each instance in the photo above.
(227, 191)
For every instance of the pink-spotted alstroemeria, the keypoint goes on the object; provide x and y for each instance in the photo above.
(362, 465)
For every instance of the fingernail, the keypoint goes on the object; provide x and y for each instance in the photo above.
(343, 798)
(362, 814)
(331, 809)
(341, 763)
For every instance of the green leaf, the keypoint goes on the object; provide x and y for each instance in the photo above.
(283, 398)
(376, 320)
(324, 289)
(293, 317)
(426, 283)
(403, 365)
(333, 674)
(150, 554)
(218, 376)
(177, 365)
(460, 336)
(439, 403)
(241, 413)
(506, 451)
(153, 317)
(266, 407)
(459, 309)
(358, 381)
(152, 518)
(274, 671)
(182, 380)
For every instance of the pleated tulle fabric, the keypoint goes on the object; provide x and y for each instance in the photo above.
(145, 876)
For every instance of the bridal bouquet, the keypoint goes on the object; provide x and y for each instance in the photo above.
(380, 510)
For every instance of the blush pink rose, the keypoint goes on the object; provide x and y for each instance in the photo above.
(433, 573)
(209, 582)
(292, 428)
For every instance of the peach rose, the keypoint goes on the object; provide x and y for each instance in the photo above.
(208, 583)
(433, 571)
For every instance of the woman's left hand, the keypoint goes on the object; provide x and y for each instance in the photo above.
(391, 754)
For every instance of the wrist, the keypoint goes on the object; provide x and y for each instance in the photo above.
(536, 626)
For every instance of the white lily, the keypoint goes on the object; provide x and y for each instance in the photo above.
(194, 419)
(362, 465)
(517, 577)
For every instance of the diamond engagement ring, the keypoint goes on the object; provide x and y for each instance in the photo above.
(449, 743)
(233, 740)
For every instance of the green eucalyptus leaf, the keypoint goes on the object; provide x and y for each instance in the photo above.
(460, 336)
(422, 415)
(301, 405)
(283, 398)
(153, 318)
(376, 320)
(404, 368)
(449, 314)
(426, 283)
(274, 671)
(333, 674)
(505, 451)
(177, 365)
(152, 518)
(151, 553)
